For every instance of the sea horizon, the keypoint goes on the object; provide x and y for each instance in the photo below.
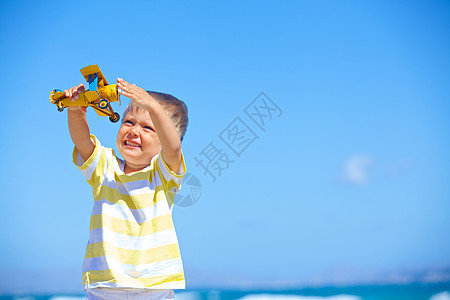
(409, 291)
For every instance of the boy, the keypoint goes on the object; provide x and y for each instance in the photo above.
(133, 250)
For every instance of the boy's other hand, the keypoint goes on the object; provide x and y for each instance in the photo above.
(73, 93)
(135, 93)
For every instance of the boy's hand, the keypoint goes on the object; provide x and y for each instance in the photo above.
(135, 93)
(73, 93)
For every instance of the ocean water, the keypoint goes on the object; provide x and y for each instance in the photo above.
(436, 291)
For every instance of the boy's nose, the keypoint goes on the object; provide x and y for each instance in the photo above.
(133, 131)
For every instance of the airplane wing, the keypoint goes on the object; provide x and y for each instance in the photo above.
(92, 69)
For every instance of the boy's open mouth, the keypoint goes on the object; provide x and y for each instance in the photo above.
(132, 144)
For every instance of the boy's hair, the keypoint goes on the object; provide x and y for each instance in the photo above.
(176, 109)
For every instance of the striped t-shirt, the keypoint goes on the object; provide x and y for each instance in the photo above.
(132, 239)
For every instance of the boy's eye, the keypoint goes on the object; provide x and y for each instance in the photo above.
(149, 128)
(128, 122)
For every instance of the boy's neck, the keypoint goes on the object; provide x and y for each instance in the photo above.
(127, 169)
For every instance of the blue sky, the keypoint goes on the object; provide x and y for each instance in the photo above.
(349, 183)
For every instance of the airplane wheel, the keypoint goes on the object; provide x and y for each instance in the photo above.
(103, 103)
(115, 118)
(60, 109)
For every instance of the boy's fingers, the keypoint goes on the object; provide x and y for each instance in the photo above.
(128, 87)
(124, 87)
(80, 88)
(73, 92)
(122, 82)
(129, 95)
(126, 94)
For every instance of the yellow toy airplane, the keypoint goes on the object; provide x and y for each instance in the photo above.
(99, 95)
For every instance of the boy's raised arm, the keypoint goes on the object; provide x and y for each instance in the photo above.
(78, 126)
(167, 134)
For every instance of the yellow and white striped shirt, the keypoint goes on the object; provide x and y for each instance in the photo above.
(132, 239)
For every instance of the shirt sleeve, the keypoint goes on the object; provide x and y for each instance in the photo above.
(170, 180)
(93, 167)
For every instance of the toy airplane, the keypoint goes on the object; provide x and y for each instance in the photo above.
(99, 95)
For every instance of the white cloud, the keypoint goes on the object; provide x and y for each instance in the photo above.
(441, 296)
(356, 169)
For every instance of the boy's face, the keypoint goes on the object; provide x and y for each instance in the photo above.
(137, 140)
